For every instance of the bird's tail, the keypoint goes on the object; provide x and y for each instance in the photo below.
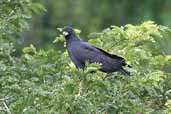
(125, 72)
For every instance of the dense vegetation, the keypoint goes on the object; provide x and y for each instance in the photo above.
(42, 81)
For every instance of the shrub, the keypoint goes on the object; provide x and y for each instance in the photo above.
(46, 81)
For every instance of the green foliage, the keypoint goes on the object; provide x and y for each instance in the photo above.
(43, 81)
(14, 15)
(47, 82)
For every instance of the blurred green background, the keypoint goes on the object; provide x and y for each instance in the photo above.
(93, 16)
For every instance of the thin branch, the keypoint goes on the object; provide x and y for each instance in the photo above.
(7, 109)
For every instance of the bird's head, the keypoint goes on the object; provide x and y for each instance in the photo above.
(67, 31)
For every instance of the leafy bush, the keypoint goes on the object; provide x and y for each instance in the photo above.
(14, 16)
(46, 81)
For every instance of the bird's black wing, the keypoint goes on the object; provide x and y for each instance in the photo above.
(110, 55)
(92, 53)
(85, 51)
(122, 60)
(114, 57)
(89, 47)
(94, 48)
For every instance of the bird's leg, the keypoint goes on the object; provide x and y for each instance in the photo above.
(80, 85)
(80, 91)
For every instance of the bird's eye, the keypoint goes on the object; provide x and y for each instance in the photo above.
(65, 33)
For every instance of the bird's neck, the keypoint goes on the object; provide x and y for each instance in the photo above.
(71, 38)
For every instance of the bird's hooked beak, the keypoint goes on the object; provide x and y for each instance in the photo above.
(65, 33)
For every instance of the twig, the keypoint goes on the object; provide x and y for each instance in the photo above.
(7, 109)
